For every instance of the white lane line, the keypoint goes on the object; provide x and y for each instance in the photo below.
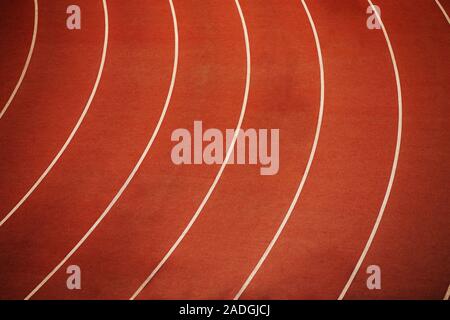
(27, 62)
(308, 166)
(443, 10)
(74, 130)
(219, 174)
(136, 167)
(447, 294)
(394, 164)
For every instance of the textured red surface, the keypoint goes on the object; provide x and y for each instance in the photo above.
(330, 224)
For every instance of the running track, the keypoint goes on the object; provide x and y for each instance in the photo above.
(86, 176)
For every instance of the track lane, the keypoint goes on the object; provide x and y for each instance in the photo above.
(308, 166)
(394, 163)
(158, 203)
(347, 182)
(411, 246)
(98, 162)
(229, 152)
(240, 217)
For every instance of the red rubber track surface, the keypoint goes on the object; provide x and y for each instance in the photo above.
(16, 29)
(338, 206)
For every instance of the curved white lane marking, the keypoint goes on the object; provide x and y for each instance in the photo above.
(136, 167)
(74, 130)
(443, 10)
(394, 164)
(308, 166)
(27, 62)
(222, 168)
